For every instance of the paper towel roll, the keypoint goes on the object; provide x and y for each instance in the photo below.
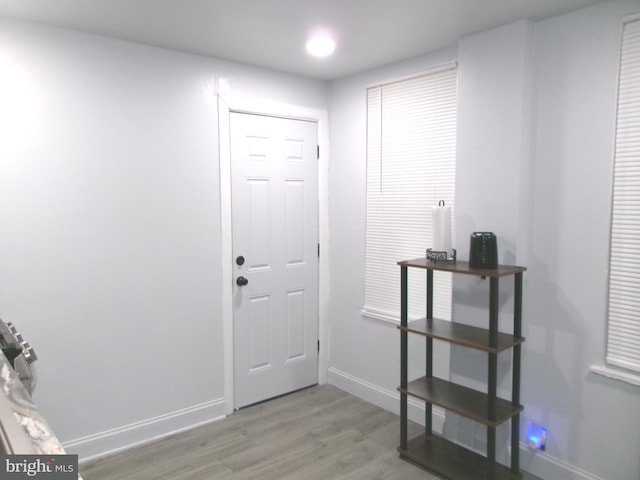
(441, 229)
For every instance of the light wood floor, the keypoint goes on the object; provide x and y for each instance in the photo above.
(320, 433)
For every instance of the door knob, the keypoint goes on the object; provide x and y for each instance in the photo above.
(241, 281)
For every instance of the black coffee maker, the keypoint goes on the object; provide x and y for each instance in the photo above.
(483, 250)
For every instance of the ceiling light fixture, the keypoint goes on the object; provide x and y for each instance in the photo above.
(321, 45)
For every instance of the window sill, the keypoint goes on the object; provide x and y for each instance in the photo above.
(384, 318)
(380, 317)
(627, 377)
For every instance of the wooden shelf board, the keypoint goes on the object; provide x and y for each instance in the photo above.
(462, 267)
(462, 400)
(454, 461)
(461, 334)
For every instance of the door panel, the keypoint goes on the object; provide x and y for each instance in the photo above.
(295, 324)
(275, 228)
(294, 226)
(259, 326)
(259, 223)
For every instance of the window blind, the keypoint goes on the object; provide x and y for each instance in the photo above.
(623, 336)
(411, 149)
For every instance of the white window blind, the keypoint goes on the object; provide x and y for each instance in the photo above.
(411, 150)
(623, 338)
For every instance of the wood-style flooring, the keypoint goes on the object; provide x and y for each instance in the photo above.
(320, 433)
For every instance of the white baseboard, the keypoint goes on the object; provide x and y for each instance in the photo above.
(547, 467)
(384, 398)
(535, 462)
(111, 441)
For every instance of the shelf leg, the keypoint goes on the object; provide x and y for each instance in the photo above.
(428, 414)
(492, 387)
(403, 386)
(429, 294)
(403, 356)
(428, 408)
(515, 444)
(492, 383)
(403, 421)
(515, 382)
(491, 451)
(493, 311)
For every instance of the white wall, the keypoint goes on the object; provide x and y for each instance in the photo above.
(110, 226)
(364, 353)
(536, 122)
(492, 172)
(594, 421)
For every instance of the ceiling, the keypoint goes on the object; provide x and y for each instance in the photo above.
(273, 33)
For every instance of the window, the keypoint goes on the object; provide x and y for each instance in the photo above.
(411, 149)
(623, 336)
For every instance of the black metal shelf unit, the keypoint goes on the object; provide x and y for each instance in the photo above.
(429, 449)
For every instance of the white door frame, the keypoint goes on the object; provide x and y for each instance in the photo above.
(226, 105)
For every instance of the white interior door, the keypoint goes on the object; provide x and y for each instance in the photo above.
(275, 251)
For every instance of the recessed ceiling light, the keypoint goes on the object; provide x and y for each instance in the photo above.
(321, 45)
